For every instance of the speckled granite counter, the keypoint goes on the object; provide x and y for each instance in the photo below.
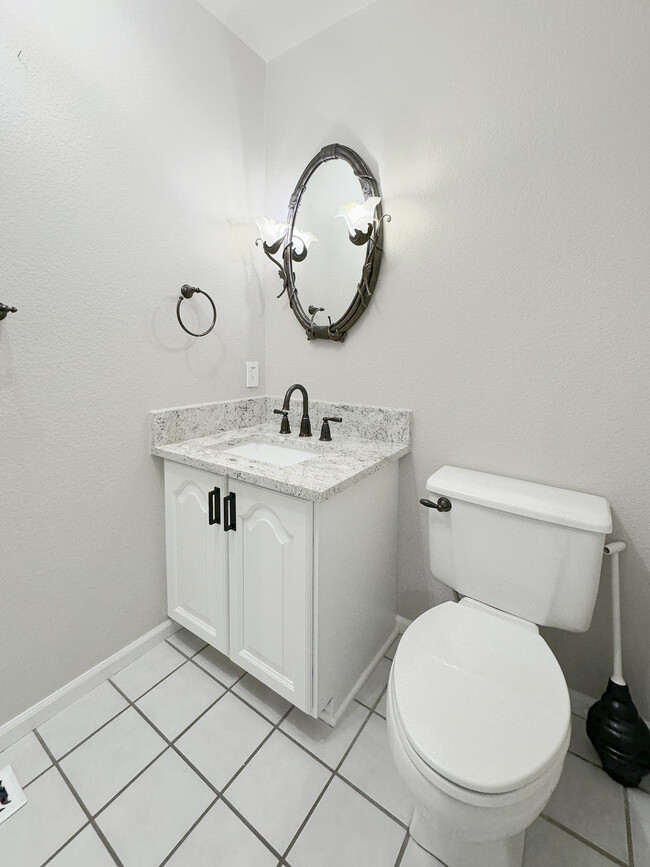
(334, 467)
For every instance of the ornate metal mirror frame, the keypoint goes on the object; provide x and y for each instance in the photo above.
(372, 238)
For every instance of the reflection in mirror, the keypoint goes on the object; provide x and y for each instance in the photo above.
(332, 268)
(358, 217)
(337, 182)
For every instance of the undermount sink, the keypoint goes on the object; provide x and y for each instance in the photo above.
(281, 456)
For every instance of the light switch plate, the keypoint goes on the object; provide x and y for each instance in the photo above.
(252, 374)
(12, 797)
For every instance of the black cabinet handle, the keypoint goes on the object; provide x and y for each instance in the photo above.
(230, 510)
(214, 506)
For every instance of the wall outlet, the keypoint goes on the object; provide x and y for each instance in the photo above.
(252, 374)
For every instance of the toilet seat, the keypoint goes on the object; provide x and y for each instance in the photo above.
(480, 697)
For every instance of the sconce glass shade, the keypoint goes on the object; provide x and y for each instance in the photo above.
(270, 230)
(306, 238)
(359, 216)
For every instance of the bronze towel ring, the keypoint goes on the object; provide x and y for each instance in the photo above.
(187, 292)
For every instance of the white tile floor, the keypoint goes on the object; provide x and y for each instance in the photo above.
(182, 759)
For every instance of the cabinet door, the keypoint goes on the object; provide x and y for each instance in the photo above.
(197, 584)
(271, 599)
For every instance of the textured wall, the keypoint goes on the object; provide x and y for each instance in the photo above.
(131, 140)
(512, 313)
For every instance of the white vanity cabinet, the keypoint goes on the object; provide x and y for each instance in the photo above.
(301, 594)
(197, 561)
(270, 569)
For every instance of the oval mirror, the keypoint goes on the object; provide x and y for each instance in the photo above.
(331, 265)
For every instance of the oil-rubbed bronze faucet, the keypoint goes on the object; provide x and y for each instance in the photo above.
(305, 424)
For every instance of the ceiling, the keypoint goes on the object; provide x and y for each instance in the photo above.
(271, 27)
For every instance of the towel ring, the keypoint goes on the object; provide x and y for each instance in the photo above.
(5, 308)
(187, 292)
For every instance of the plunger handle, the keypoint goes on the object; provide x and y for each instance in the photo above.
(613, 550)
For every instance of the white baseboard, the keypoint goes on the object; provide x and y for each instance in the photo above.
(580, 703)
(332, 718)
(34, 716)
(402, 623)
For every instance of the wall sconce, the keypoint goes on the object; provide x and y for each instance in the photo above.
(305, 238)
(360, 219)
(272, 238)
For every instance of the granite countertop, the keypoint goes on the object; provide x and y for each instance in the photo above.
(336, 465)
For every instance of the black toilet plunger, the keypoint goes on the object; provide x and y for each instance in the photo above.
(619, 735)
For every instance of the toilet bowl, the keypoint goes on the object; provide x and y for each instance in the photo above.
(479, 720)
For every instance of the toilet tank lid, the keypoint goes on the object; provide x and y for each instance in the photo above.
(542, 502)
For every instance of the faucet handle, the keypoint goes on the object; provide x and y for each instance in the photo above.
(284, 426)
(325, 433)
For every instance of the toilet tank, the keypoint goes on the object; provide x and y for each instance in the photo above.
(528, 549)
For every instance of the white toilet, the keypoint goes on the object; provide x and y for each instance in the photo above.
(478, 709)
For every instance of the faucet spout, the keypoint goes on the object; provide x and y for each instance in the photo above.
(305, 424)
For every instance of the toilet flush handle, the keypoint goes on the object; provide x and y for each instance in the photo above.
(442, 504)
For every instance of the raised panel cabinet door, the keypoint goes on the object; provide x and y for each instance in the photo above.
(271, 590)
(197, 580)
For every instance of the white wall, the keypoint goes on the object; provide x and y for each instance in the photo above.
(132, 136)
(512, 313)
(510, 140)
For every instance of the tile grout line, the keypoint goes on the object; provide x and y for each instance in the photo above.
(372, 710)
(376, 804)
(304, 822)
(132, 701)
(335, 773)
(240, 816)
(588, 761)
(195, 720)
(274, 727)
(131, 781)
(250, 827)
(67, 843)
(376, 712)
(93, 733)
(37, 777)
(85, 809)
(584, 840)
(628, 828)
(171, 745)
(107, 722)
(400, 854)
(54, 763)
(157, 683)
(326, 786)
(189, 831)
(338, 774)
(188, 655)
